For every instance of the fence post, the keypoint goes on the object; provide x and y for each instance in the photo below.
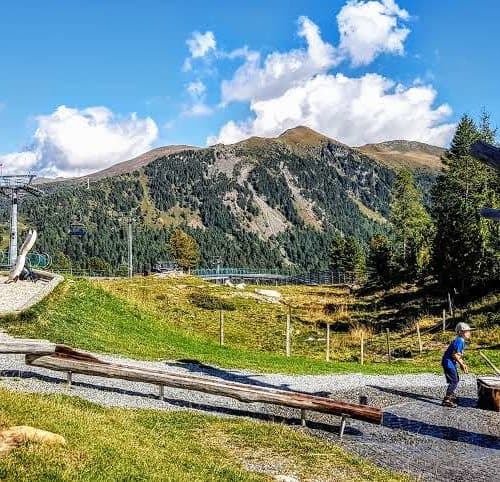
(328, 342)
(288, 323)
(419, 338)
(362, 348)
(444, 321)
(221, 328)
(388, 345)
(450, 305)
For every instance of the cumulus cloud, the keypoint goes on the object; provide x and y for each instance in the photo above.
(355, 111)
(368, 29)
(72, 142)
(253, 81)
(197, 107)
(199, 45)
(298, 87)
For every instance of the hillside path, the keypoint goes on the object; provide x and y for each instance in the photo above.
(418, 436)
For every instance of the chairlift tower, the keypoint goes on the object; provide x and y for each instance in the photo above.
(12, 186)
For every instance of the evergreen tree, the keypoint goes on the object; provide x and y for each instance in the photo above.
(184, 249)
(379, 260)
(347, 255)
(464, 251)
(411, 226)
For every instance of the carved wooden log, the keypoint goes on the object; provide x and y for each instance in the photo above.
(487, 153)
(27, 346)
(239, 391)
(488, 391)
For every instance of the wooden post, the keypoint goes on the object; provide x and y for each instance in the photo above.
(450, 305)
(221, 328)
(69, 379)
(444, 321)
(419, 338)
(328, 342)
(388, 345)
(162, 393)
(362, 348)
(288, 323)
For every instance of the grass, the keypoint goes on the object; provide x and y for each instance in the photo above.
(105, 444)
(152, 318)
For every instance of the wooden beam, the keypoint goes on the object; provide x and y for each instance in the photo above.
(240, 391)
(490, 213)
(27, 346)
(487, 153)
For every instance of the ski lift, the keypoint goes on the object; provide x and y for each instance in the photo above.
(77, 229)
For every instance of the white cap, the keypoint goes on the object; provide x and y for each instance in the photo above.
(463, 327)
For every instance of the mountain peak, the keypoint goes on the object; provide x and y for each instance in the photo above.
(305, 137)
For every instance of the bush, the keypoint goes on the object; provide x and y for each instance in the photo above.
(210, 302)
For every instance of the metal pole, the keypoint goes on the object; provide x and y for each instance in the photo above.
(13, 230)
(130, 265)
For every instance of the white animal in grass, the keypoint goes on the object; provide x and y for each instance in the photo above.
(21, 259)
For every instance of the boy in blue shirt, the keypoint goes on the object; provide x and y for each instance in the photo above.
(453, 356)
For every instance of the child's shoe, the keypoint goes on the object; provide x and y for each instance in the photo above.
(449, 402)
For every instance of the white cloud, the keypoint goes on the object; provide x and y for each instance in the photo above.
(72, 142)
(199, 45)
(355, 111)
(280, 70)
(197, 107)
(297, 87)
(368, 29)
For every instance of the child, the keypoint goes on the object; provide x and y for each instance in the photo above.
(453, 356)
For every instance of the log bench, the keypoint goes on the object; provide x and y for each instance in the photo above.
(66, 359)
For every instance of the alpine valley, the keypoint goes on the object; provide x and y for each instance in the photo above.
(263, 202)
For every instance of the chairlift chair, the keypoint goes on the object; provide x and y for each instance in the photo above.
(77, 229)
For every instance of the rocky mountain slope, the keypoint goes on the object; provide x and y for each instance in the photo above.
(260, 202)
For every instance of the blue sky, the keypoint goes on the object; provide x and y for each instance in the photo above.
(129, 80)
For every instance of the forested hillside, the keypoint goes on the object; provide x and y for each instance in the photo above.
(259, 203)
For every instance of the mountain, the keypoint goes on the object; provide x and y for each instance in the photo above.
(405, 154)
(258, 203)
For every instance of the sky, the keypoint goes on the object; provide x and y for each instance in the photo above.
(86, 84)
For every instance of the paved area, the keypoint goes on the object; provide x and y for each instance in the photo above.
(15, 296)
(418, 436)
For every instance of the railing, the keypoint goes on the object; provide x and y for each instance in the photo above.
(280, 276)
(34, 260)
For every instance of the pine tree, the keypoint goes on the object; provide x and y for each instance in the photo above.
(346, 255)
(464, 248)
(184, 249)
(411, 226)
(379, 260)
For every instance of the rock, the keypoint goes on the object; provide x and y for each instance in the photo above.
(286, 478)
(269, 293)
(240, 286)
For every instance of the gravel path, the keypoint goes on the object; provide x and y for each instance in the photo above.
(418, 435)
(15, 296)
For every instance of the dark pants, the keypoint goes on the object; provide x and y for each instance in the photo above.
(452, 379)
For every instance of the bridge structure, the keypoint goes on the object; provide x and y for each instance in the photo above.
(221, 275)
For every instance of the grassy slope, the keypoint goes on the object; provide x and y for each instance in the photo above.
(117, 444)
(155, 319)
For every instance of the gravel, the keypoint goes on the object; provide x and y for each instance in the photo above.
(15, 296)
(418, 436)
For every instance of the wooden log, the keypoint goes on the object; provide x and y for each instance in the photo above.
(244, 393)
(487, 153)
(23, 347)
(488, 391)
(490, 213)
